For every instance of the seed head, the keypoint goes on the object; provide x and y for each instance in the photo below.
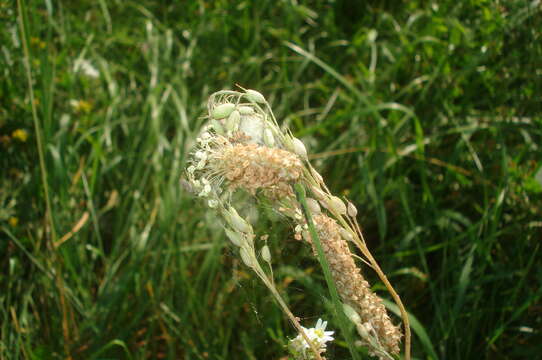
(252, 167)
(354, 289)
(255, 96)
(222, 110)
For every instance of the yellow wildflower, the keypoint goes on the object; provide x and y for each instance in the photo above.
(13, 221)
(81, 106)
(20, 134)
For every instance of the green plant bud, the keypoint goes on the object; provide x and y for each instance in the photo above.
(313, 205)
(218, 127)
(319, 194)
(346, 235)
(352, 211)
(351, 314)
(246, 110)
(317, 175)
(245, 256)
(268, 138)
(288, 145)
(254, 96)
(336, 204)
(299, 148)
(222, 111)
(236, 238)
(233, 121)
(237, 222)
(266, 254)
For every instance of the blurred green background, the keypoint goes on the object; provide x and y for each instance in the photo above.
(427, 115)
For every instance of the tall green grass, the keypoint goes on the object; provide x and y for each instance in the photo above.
(426, 116)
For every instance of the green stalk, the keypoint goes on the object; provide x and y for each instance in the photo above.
(23, 24)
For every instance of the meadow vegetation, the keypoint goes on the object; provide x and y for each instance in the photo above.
(427, 116)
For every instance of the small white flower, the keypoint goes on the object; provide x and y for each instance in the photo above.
(201, 164)
(196, 183)
(86, 68)
(212, 203)
(202, 155)
(206, 190)
(204, 139)
(317, 335)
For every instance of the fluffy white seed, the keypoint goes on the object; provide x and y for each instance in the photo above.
(253, 126)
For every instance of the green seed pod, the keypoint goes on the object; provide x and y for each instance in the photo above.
(218, 127)
(346, 235)
(319, 194)
(246, 110)
(232, 123)
(336, 204)
(313, 206)
(268, 138)
(255, 96)
(317, 175)
(222, 111)
(234, 237)
(266, 254)
(352, 211)
(299, 148)
(245, 256)
(237, 222)
(351, 314)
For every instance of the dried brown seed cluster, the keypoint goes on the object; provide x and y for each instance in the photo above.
(253, 167)
(353, 288)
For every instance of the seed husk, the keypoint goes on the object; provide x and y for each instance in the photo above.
(222, 111)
